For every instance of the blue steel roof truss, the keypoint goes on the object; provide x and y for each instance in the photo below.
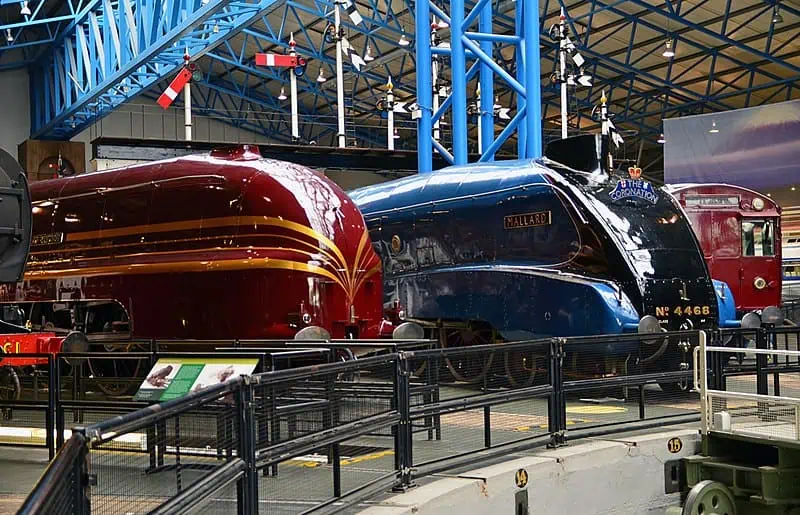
(85, 69)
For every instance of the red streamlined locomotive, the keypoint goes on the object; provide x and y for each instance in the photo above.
(220, 246)
(739, 232)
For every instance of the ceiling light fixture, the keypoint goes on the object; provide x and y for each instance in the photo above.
(215, 30)
(776, 15)
(25, 10)
(396, 134)
(713, 129)
(321, 77)
(661, 139)
(668, 52)
(403, 41)
(9, 37)
(368, 55)
(282, 96)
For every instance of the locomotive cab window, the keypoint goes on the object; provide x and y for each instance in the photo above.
(758, 238)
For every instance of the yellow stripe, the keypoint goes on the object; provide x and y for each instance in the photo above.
(187, 266)
(350, 280)
(206, 223)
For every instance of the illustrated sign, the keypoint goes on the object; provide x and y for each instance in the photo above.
(674, 445)
(524, 220)
(521, 478)
(634, 188)
(173, 378)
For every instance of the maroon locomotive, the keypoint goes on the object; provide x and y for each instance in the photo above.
(739, 232)
(221, 246)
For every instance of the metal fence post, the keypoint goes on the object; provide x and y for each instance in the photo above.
(51, 408)
(762, 388)
(55, 386)
(556, 403)
(81, 502)
(247, 491)
(403, 442)
(487, 416)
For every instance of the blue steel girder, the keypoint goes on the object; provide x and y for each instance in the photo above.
(31, 32)
(115, 50)
(655, 85)
(675, 16)
(678, 37)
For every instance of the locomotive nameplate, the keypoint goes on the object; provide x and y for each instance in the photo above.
(53, 238)
(525, 220)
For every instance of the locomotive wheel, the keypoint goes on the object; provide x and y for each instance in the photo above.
(10, 389)
(709, 498)
(117, 377)
(522, 367)
(469, 368)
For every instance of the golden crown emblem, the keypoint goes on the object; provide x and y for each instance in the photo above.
(635, 172)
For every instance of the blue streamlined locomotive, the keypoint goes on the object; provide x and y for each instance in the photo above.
(533, 248)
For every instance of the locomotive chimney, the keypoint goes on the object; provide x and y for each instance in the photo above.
(588, 153)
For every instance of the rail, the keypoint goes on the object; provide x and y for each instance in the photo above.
(323, 437)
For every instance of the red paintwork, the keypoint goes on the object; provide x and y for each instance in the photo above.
(718, 228)
(30, 343)
(195, 267)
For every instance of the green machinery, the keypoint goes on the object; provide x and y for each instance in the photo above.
(750, 452)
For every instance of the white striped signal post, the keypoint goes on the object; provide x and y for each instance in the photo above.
(390, 114)
(562, 70)
(567, 48)
(296, 64)
(337, 25)
(293, 91)
(181, 81)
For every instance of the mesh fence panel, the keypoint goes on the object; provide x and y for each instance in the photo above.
(466, 397)
(294, 411)
(628, 379)
(775, 419)
(301, 406)
(137, 471)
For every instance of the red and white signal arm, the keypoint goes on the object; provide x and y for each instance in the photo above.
(175, 87)
(277, 60)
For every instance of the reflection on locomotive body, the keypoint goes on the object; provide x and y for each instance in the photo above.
(220, 246)
(739, 231)
(532, 248)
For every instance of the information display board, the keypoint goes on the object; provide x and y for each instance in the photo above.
(172, 378)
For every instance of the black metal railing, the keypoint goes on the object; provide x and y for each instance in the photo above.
(322, 437)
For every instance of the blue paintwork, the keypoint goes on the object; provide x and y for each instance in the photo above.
(726, 305)
(515, 301)
(596, 267)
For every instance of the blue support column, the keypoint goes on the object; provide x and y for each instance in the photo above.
(480, 45)
(533, 87)
(522, 132)
(487, 86)
(458, 65)
(424, 86)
